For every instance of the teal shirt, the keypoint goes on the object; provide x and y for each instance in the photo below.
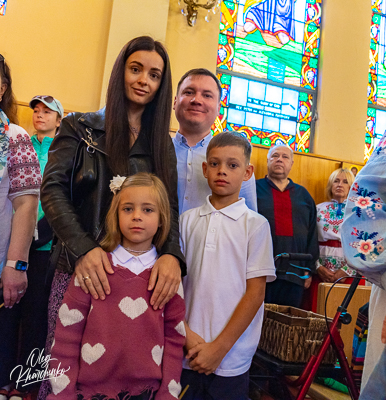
(42, 152)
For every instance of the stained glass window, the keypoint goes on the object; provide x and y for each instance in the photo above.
(3, 6)
(376, 90)
(267, 63)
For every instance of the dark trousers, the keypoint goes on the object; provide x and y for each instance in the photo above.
(284, 293)
(26, 320)
(214, 387)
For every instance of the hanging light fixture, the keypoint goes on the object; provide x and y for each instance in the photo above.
(190, 8)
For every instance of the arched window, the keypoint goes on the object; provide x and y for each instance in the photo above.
(376, 90)
(267, 63)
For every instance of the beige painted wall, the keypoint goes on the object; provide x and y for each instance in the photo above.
(344, 64)
(66, 48)
(58, 48)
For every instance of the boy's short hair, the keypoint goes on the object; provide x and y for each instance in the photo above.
(198, 72)
(231, 138)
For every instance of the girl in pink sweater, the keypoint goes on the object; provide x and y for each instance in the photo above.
(121, 348)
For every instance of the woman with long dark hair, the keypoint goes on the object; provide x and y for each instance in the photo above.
(130, 135)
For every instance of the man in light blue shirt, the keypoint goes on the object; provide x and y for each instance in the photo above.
(197, 105)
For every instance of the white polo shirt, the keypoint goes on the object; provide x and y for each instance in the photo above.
(224, 248)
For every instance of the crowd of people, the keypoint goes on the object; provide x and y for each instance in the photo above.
(142, 269)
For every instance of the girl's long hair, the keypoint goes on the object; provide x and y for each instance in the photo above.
(155, 119)
(113, 234)
(8, 102)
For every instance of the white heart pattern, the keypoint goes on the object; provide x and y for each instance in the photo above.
(174, 388)
(157, 352)
(180, 328)
(69, 317)
(59, 383)
(133, 308)
(180, 291)
(90, 354)
(76, 282)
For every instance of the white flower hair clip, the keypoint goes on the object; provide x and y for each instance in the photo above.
(116, 183)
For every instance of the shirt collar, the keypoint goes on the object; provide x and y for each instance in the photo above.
(290, 184)
(203, 142)
(233, 211)
(46, 139)
(124, 256)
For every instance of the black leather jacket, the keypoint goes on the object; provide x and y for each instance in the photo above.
(75, 192)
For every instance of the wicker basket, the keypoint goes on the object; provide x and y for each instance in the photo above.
(293, 335)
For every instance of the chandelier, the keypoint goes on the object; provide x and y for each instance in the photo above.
(190, 8)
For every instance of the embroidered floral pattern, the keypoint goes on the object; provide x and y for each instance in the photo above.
(330, 218)
(368, 245)
(335, 264)
(23, 165)
(366, 201)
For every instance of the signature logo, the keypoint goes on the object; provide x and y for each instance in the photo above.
(36, 369)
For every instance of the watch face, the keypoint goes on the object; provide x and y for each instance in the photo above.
(21, 265)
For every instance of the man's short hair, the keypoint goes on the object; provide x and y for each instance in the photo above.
(198, 72)
(231, 138)
(273, 148)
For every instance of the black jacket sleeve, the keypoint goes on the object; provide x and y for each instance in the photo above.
(56, 191)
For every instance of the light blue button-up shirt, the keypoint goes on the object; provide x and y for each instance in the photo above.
(192, 186)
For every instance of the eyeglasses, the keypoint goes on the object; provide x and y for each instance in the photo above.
(48, 99)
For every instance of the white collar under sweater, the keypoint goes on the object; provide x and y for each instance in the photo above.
(136, 264)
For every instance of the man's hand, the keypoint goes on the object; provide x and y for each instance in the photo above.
(90, 271)
(325, 274)
(167, 274)
(14, 285)
(205, 357)
(307, 282)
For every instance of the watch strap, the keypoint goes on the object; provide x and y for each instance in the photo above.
(18, 265)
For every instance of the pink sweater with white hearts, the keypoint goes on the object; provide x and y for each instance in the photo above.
(120, 343)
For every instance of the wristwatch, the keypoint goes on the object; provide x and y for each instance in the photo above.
(18, 265)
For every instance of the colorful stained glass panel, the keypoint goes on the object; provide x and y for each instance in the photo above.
(266, 111)
(375, 128)
(271, 38)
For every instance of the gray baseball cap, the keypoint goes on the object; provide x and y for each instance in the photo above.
(50, 102)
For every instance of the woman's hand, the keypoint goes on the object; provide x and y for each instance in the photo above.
(23, 224)
(14, 285)
(167, 274)
(90, 271)
(325, 274)
(340, 274)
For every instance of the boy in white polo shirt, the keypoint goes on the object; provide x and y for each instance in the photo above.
(228, 250)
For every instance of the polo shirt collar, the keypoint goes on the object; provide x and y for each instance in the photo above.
(124, 256)
(203, 142)
(234, 211)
